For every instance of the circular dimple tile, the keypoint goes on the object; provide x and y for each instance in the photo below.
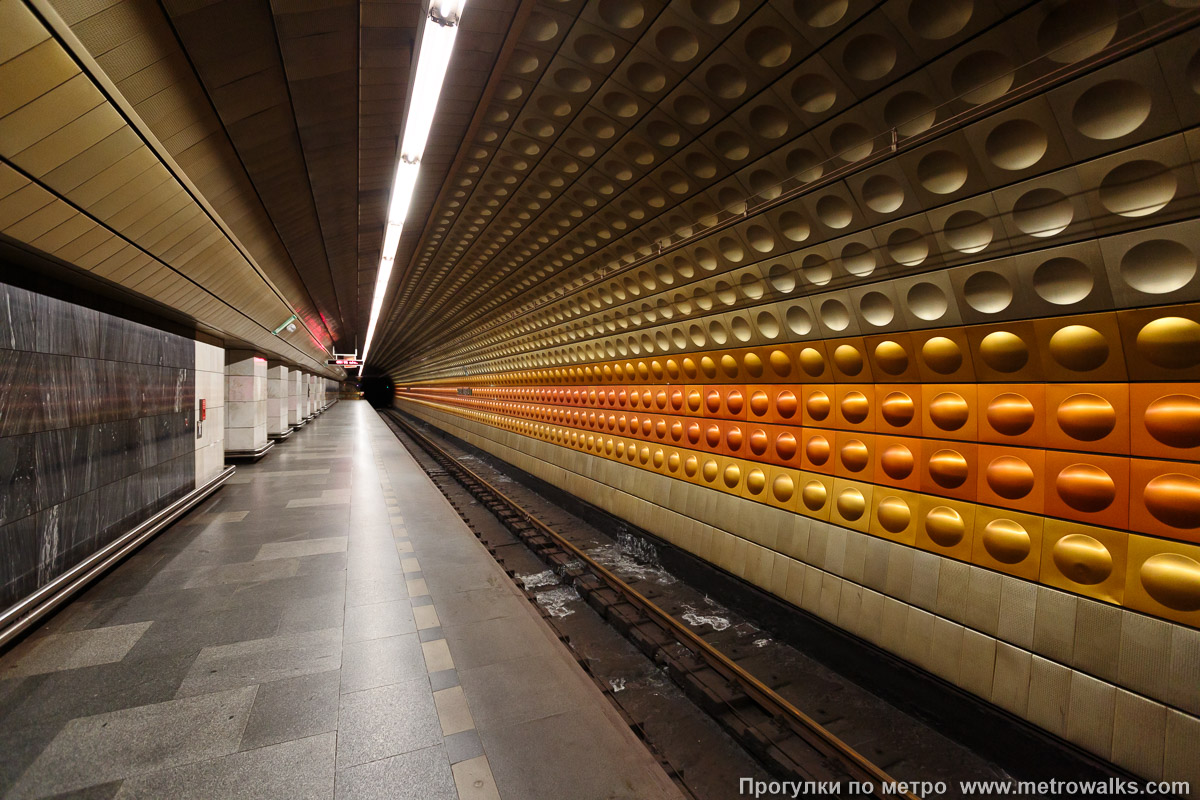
(794, 226)
(927, 301)
(1174, 420)
(948, 468)
(812, 362)
(783, 488)
(1172, 579)
(858, 259)
(715, 12)
(1043, 212)
(1004, 351)
(594, 49)
(818, 405)
(1158, 266)
(1082, 559)
(949, 411)
(893, 514)
(814, 93)
(942, 355)
(851, 504)
(622, 106)
(877, 309)
(897, 409)
(882, 193)
(907, 246)
(1009, 477)
(677, 44)
(988, 292)
(891, 357)
(910, 113)
(851, 142)
(814, 495)
(822, 13)
(1138, 188)
(1086, 417)
(1111, 109)
(942, 172)
(1077, 29)
(691, 109)
(1063, 281)
(1086, 487)
(799, 322)
(869, 57)
(646, 77)
(854, 455)
(897, 462)
(817, 450)
(725, 81)
(945, 526)
(1174, 499)
(1016, 144)
(939, 19)
(847, 358)
(834, 212)
(1006, 541)
(1011, 414)
(768, 47)
(622, 14)
(768, 122)
(540, 28)
(804, 165)
(1171, 342)
(1079, 347)
(855, 407)
(982, 76)
(816, 269)
(968, 231)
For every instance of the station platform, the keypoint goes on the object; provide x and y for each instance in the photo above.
(324, 626)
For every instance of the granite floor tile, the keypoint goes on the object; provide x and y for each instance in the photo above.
(379, 662)
(20, 747)
(263, 660)
(294, 708)
(293, 770)
(62, 651)
(420, 775)
(373, 590)
(106, 747)
(516, 691)
(463, 746)
(476, 644)
(66, 694)
(307, 547)
(527, 759)
(386, 721)
(313, 614)
(379, 621)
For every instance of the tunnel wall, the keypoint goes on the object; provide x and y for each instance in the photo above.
(1120, 684)
(96, 432)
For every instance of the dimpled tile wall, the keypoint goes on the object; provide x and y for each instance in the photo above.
(903, 296)
(96, 432)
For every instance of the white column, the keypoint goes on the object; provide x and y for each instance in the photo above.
(245, 401)
(277, 399)
(293, 381)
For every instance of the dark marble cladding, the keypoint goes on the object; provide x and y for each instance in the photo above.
(96, 432)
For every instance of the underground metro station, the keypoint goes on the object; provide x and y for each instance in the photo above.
(597, 399)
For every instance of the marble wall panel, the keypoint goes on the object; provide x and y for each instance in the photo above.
(97, 432)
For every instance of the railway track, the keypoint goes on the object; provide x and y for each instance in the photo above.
(789, 743)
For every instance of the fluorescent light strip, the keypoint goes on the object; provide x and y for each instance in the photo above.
(433, 58)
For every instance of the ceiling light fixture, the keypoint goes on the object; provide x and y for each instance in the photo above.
(433, 57)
